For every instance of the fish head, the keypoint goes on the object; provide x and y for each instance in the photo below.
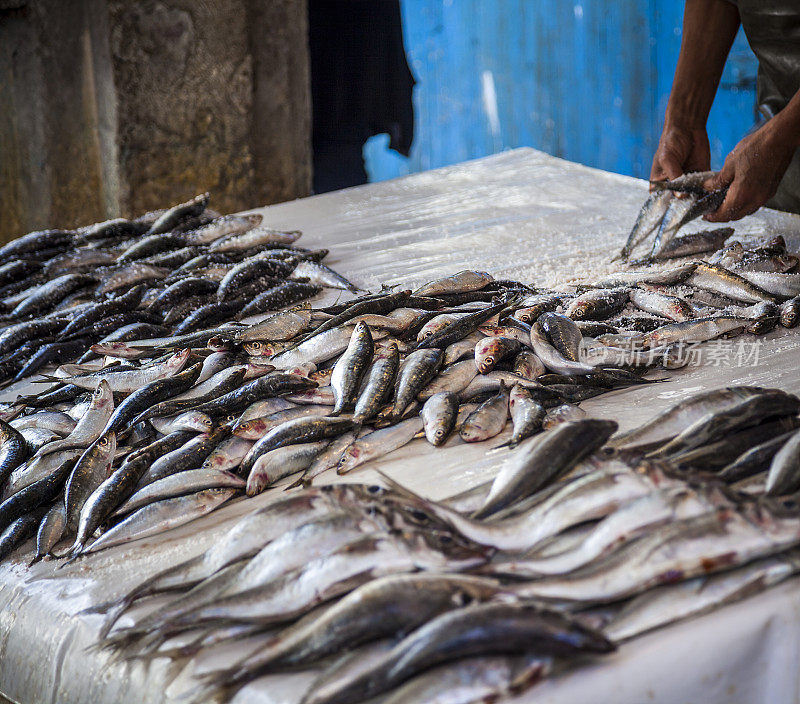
(107, 444)
(102, 397)
(178, 360)
(257, 348)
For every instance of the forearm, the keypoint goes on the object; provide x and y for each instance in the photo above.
(785, 126)
(709, 28)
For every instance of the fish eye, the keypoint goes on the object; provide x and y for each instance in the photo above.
(374, 489)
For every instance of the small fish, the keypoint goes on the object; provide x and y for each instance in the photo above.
(649, 218)
(526, 414)
(162, 516)
(457, 283)
(439, 416)
(378, 444)
(378, 384)
(491, 350)
(91, 469)
(350, 368)
(598, 304)
(488, 419)
(564, 413)
(697, 330)
(784, 470)
(276, 464)
(417, 370)
(661, 304)
(717, 279)
(454, 379)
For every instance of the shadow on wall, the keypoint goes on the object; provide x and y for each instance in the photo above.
(587, 81)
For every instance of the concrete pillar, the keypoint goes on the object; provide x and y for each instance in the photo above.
(112, 107)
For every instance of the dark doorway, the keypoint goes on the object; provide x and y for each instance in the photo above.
(360, 86)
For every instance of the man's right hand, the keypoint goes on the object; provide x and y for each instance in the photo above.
(681, 150)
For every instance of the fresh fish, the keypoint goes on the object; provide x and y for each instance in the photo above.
(491, 350)
(129, 275)
(564, 413)
(551, 357)
(153, 392)
(454, 379)
(628, 523)
(276, 464)
(488, 419)
(252, 238)
(223, 226)
(667, 424)
(328, 459)
(459, 329)
(784, 470)
(279, 326)
(321, 275)
(694, 243)
(417, 370)
(717, 279)
(697, 330)
(438, 323)
(528, 365)
(714, 426)
(257, 428)
(177, 213)
(188, 482)
(598, 304)
(754, 460)
(667, 277)
(13, 451)
(194, 421)
(379, 443)
(91, 469)
(228, 455)
(350, 368)
(664, 605)
(541, 459)
(677, 551)
(790, 312)
(776, 285)
(457, 283)
(647, 221)
(161, 516)
(481, 629)
(190, 455)
(384, 607)
(439, 416)
(526, 414)
(129, 381)
(50, 530)
(378, 384)
(661, 304)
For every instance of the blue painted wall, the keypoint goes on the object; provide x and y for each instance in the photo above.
(586, 80)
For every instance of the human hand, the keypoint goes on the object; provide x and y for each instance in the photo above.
(752, 172)
(681, 150)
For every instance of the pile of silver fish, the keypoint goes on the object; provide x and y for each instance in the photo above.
(177, 270)
(584, 539)
(188, 365)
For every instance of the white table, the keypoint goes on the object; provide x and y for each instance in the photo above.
(520, 214)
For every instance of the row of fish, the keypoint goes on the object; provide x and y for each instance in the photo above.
(177, 270)
(148, 430)
(586, 537)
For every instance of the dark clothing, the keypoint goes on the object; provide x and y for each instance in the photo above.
(361, 85)
(772, 28)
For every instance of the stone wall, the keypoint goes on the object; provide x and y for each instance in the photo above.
(112, 107)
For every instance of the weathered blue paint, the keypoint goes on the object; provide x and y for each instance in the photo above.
(586, 80)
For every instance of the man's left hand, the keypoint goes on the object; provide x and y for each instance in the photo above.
(753, 171)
